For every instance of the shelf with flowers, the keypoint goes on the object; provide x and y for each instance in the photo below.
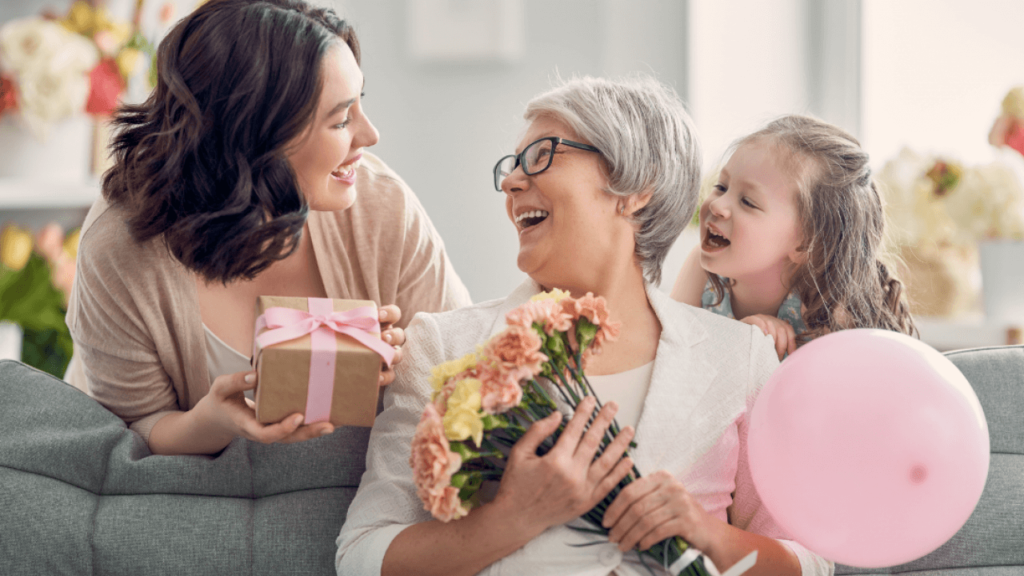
(35, 280)
(942, 213)
(60, 78)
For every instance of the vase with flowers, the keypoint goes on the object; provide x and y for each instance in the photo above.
(58, 74)
(944, 213)
(35, 280)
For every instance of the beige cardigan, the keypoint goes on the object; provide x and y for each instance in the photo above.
(134, 313)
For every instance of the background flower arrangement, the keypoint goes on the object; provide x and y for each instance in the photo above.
(54, 68)
(35, 281)
(940, 209)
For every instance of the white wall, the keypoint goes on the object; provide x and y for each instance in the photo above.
(935, 72)
(748, 65)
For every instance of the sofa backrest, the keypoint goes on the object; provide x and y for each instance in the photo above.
(81, 494)
(991, 543)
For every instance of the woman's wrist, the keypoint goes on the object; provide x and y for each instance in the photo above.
(507, 513)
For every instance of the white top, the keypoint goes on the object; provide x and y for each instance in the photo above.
(707, 372)
(628, 389)
(222, 359)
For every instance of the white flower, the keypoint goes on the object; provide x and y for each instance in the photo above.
(51, 68)
(25, 41)
(47, 97)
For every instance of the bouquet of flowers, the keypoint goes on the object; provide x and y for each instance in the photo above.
(35, 280)
(53, 68)
(484, 402)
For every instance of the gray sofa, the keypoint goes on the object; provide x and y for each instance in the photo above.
(80, 494)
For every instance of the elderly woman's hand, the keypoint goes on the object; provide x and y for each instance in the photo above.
(657, 507)
(393, 335)
(550, 490)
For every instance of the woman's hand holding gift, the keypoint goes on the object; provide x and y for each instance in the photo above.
(227, 413)
(392, 335)
(567, 481)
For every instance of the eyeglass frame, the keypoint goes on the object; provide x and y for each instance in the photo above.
(555, 141)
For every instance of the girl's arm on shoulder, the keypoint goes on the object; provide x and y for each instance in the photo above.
(691, 280)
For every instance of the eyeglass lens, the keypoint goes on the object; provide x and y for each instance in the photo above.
(536, 158)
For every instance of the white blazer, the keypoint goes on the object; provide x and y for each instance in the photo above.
(707, 372)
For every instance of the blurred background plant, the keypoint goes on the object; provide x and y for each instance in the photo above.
(35, 281)
(52, 68)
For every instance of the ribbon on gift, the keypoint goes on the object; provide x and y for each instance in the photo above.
(323, 325)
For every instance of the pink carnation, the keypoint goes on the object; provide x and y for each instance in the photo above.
(515, 347)
(431, 460)
(594, 309)
(441, 400)
(548, 313)
(445, 504)
(500, 390)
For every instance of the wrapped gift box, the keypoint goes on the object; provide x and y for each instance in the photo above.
(345, 372)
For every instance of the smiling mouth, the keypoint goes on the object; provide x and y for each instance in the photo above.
(713, 240)
(531, 218)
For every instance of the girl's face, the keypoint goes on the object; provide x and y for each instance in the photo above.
(750, 223)
(564, 218)
(326, 155)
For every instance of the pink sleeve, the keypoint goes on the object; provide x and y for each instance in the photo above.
(747, 511)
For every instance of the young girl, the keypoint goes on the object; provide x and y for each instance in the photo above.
(791, 236)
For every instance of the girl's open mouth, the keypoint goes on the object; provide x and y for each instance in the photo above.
(713, 240)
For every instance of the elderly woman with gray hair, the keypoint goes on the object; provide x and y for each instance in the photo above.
(602, 183)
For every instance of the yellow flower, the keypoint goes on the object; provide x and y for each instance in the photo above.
(81, 19)
(15, 247)
(442, 372)
(466, 395)
(463, 418)
(555, 294)
(71, 244)
(127, 60)
(1013, 104)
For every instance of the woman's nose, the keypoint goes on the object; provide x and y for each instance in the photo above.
(367, 135)
(516, 181)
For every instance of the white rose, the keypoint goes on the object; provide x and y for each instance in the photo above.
(26, 41)
(48, 97)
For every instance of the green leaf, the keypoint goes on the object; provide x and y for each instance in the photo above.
(464, 452)
(492, 421)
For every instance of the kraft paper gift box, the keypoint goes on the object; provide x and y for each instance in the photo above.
(324, 373)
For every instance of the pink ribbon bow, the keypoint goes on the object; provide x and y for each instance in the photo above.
(323, 324)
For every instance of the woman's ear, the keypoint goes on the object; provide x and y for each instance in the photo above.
(635, 202)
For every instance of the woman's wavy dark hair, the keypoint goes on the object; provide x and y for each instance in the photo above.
(202, 161)
(844, 282)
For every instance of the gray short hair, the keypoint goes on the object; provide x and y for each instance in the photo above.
(649, 144)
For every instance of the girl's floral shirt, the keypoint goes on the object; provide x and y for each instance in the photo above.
(788, 311)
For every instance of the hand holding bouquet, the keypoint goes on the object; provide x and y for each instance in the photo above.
(487, 401)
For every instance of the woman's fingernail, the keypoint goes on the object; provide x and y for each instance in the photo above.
(383, 314)
(250, 378)
(297, 421)
(326, 431)
(387, 337)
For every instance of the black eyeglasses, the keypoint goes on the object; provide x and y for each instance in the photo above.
(534, 159)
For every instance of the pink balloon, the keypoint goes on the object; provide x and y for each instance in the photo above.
(869, 447)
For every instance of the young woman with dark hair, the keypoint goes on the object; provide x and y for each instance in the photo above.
(238, 177)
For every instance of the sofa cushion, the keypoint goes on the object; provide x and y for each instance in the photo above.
(991, 542)
(82, 494)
